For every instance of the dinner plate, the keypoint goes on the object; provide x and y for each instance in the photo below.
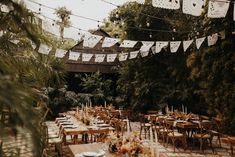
(89, 154)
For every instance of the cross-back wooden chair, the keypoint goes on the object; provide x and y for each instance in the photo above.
(144, 126)
(99, 135)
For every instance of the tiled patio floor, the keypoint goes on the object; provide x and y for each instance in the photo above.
(22, 145)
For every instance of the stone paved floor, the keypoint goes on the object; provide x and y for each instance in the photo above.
(22, 145)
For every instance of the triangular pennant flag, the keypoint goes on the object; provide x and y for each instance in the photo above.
(212, 39)
(146, 45)
(74, 55)
(109, 42)
(167, 4)
(4, 8)
(91, 40)
(218, 9)
(72, 34)
(174, 45)
(86, 57)
(128, 43)
(144, 53)
(60, 53)
(160, 45)
(44, 49)
(186, 44)
(193, 7)
(111, 57)
(15, 41)
(133, 54)
(199, 42)
(123, 56)
(99, 57)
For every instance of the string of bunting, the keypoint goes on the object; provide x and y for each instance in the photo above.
(154, 46)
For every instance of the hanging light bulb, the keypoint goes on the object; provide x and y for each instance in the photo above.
(39, 9)
(147, 24)
(174, 30)
(150, 35)
(173, 38)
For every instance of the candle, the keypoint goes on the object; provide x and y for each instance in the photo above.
(156, 141)
(82, 107)
(104, 104)
(186, 111)
(77, 109)
(182, 108)
(128, 126)
(151, 142)
(172, 109)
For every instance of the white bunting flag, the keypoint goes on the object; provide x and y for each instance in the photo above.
(74, 55)
(199, 42)
(186, 44)
(111, 57)
(174, 46)
(212, 39)
(51, 27)
(86, 57)
(15, 41)
(144, 53)
(218, 9)
(193, 7)
(167, 4)
(60, 53)
(128, 43)
(90, 40)
(72, 33)
(4, 8)
(109, 42)
(44, 49)
(99, 57)
(146, 45)
(160, 45)
(133, 54)
(123, 56)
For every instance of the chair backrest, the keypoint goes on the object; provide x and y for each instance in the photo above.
(99, 135)
(169, 127)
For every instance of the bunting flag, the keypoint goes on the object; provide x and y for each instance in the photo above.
(72, 34)
(174, 46)
(167, 4)
(99, 57)
(212, 39)
(128, 43)
(133, 54)
(74, 55)
(60, 53)
(146, 45)
(109, 42)
(90, 40)
(44, 49)
(123, 56)
(86, 57)
(4, 8)
(15, 41)
(186, 44)
(199, 42)
(111, 57)
(144, 53)
(218, 9)
(140, 1)
(193, 7)
(51, 27)
(160, 45)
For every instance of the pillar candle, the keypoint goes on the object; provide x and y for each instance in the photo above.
(172, 110)
(186, 110)
(128, 126)
(182, 108)
(104, 104)
(156, 141)
(151, 142)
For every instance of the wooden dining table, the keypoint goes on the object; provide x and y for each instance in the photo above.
(79, 149)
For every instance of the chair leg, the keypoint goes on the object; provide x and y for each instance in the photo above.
(219, 141)
(211, 145)
(167, 140)
(201, 143)
(173, 142)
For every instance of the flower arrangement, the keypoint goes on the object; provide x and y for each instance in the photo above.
(131, 146)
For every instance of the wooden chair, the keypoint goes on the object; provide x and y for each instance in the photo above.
(144, 125)
(174, 135)
(98, 135)
(54, 141)
(125, 117)
(204, 134)
(161, 129)
(215, 131)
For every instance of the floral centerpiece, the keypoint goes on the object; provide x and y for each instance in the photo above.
(131, 145)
